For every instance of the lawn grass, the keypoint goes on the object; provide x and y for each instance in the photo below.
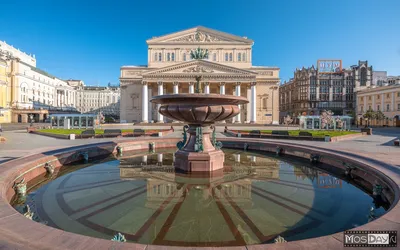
(76, 131)
(315, 133)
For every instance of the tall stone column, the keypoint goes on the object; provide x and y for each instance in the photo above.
(237, 92)
(222, 88)
(253, 101)
(383, 102)
(365, 104)
(275, 115)
(373, 103)
(150, 110)
(248, 105)
(191, 87)
(222, 92)
(206, 88)
(160, 117)
(330, 93)
(176, 87)
(317, 90)
(392, 102)
(145, 102)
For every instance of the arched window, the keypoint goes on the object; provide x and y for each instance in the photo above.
(226, 57)
(214, 57)
(155, 57)
(159, 57)
(184, 56)
(363, 77)
(239, 57)
(168, 57)
(244, 57)
(230, 57)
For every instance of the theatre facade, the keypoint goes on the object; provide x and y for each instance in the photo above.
(227, 70)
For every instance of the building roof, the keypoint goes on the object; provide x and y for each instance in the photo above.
(379, 89)
(42, 72)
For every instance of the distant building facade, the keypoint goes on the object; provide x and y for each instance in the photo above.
(379, 78)
(385, 99)
(309, 91)
(91, 99)
(227, 70)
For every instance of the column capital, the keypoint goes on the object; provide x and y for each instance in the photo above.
(191, 83)
(160, 83)
(237, 83)
(253, 83)
(175, 83)
(144, 82)
(222, 84)
(206, 83)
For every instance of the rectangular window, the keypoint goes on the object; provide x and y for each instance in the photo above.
(398, 107)
(388, 108)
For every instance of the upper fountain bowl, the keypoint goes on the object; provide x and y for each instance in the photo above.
(199, 108)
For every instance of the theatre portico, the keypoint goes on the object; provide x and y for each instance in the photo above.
(227, 70)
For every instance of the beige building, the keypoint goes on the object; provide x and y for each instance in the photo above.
(227, 70)
(385, 99)
(95, 99)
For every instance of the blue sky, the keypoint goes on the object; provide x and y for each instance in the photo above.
(91, 40)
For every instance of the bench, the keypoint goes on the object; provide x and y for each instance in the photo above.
(280, 132)
(112, 133)
(367, 130)
(139, 132)
(89, 133)
(303, 133)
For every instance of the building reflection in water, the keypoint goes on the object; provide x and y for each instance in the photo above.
(323, 180)
(234, 183)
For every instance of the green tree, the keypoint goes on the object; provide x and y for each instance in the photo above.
(370, 115)
(380, 116)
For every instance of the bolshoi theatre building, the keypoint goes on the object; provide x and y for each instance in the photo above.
(227, 70)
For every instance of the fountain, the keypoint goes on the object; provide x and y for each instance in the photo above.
(199, 153)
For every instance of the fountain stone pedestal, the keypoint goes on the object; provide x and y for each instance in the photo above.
(189, 159)
(199, 152)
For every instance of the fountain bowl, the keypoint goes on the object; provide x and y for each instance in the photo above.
(199, 108)
(198, 153)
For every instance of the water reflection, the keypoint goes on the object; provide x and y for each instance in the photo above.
(252, 200)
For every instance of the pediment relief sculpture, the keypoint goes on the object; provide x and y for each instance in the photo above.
(198, 37)
(198, 69)
(133, 73)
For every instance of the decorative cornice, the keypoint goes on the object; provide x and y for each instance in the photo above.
(204, 64)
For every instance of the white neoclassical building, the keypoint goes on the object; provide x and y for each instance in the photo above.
(95, 98)
(227, 70)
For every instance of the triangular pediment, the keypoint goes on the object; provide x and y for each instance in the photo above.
(200, 35)
(200, 67)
